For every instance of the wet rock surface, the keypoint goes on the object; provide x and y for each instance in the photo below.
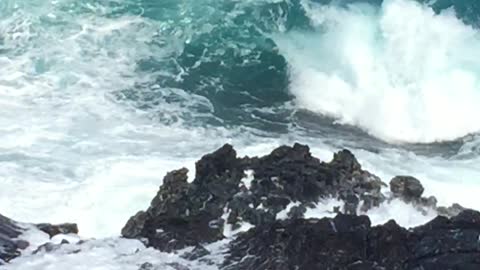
(11, 232)
(229, 191)
(55, 229)
(196, 253)
(187, 214)
(49, 247)
(259, 204)
(9, 244)
(349, 242)
(407, 187)
(410, 190)
(450, 211)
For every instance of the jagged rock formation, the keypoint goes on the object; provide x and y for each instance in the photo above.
(410, 190)
(11, 243)
(349, 242)
(407, 187)
(9, 246)
(228, 190)
(187, 214)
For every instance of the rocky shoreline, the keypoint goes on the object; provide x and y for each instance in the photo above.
(259, 204)
(12, 242)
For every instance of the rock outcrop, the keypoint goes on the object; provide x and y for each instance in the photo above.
(186, 214)
(349, 242)
(410, 190)
(407, 187)
(223, 194)
(269, 196)
(11, 242)
(229, 191)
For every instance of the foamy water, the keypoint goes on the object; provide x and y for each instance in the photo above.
(71, 150)
(402, 73)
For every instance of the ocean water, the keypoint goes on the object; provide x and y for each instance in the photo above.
(100, 98)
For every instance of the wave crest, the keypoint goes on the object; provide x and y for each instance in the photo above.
(401, 72)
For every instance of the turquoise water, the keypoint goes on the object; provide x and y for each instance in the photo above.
(103, 97)
(217, 62)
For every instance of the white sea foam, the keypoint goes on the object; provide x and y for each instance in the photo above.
(415, 79)
(449, 180)
(324, 208)
(70, 152)
(284, 213)
(406, 215)
(111, 254)
(247, 180)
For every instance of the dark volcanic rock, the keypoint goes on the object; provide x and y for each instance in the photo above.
(188, 214)
(294, 172)
(228, 190)
(146, 266)
(196, 253)
(9, 244)
(349, 242)
(10, 232)
(49, 247)
(410, 190)
(406, 187)
(301, 244)
(450, 211)
(53, 230)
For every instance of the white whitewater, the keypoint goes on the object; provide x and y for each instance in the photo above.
(69, 151)
(402, 74)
